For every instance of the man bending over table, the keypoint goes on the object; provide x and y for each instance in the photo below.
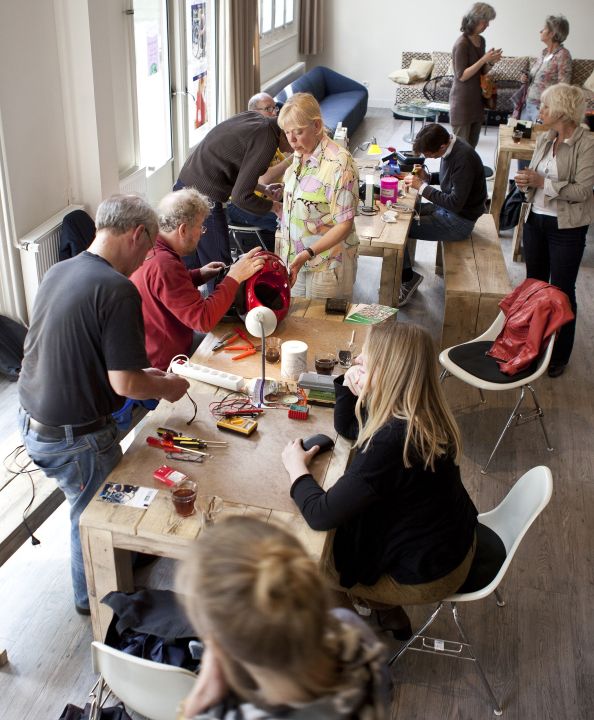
(84, 353)
(455, 207)
(172, 307)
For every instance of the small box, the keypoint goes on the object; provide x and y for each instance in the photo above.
(241, 425)
(169, 476)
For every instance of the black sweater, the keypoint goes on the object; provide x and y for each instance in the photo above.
(461, 178)
(411, 523)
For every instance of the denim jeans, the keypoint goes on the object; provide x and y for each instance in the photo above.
(79, 465)
(554, 255)
(437, 223)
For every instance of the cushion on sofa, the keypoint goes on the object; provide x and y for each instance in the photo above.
(442, 64)
(420, 69)
(407, 57)
(589, 83)
(581, 71)
(401, 76)
(349, 108)
(509, 68)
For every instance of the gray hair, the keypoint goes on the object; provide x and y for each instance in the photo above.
(558, 25)
(565, 102)
(479, 11)
(182, 206)
(255, 99)
(120, 213)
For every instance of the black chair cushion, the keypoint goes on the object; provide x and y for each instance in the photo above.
(472, 357)
(488, 559)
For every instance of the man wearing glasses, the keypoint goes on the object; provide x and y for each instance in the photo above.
(226, 164)
(84, 353)
(175, 313)
(264, 104)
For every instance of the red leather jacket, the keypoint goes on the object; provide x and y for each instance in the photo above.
(533, 312)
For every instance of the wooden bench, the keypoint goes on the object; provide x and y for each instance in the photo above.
(476, 279)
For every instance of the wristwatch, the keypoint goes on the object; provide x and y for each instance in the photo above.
(310, 252)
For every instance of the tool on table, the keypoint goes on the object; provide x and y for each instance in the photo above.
(185, 457)
(240, 425)
(185, 441)
(225, 340)
(169, 447)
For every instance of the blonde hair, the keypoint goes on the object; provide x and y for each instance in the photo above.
(251, 587)
(565, 102)
(300, 110)
(182, 206)
(402, 382)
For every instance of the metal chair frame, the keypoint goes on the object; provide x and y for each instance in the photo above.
(233, 229)
(451, 369)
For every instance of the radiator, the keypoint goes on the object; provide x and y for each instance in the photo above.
(278, 82)
(134, 182)
(39, 251)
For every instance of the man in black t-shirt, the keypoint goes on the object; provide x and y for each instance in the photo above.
(84, 353)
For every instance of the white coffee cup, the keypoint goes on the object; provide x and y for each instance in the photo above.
(293, 359)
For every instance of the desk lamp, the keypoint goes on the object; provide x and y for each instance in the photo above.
(261, 322)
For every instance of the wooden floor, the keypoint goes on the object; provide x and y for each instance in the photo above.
(538, 651)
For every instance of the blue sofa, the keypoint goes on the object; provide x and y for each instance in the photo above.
(341, 99)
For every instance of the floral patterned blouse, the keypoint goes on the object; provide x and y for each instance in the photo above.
(545, 73)
(319, 193)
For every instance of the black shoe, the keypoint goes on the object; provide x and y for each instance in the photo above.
(556, 370)
(408, 288)
(81, 610)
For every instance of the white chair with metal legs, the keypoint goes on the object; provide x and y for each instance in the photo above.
(468, 363)
(506, 524)
(152, 689)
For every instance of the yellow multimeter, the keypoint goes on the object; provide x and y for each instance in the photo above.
(235, 423)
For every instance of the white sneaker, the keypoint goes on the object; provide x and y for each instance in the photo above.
(407, 289)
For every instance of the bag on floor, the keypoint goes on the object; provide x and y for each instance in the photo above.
(92, 712)
(509, 216)
(12, 341)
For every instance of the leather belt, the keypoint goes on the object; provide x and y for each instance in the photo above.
(58, 432)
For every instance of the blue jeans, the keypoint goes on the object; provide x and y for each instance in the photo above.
(554, 255)
(79, 465)
(437, 223)
(267, 222)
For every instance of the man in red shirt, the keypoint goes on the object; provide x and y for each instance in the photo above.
(172, 307)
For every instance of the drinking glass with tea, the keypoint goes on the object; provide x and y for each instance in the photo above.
(325, 362)
(273, 350)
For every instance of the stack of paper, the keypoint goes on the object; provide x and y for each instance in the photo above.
(370, 314)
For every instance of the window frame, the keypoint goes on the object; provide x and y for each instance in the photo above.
(279, 35)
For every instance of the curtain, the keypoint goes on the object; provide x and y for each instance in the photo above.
(311, 27)
(239, 55)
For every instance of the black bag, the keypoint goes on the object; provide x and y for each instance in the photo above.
(73, 712)
(12, 340)
(509, 216)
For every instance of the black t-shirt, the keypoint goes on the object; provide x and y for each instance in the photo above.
(411, 523)
(87, 320)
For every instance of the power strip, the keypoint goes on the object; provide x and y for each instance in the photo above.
(207, 375)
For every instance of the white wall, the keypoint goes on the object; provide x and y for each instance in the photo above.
(365, 40)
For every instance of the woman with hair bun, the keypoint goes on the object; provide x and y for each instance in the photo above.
(273, 647)
(405, 525)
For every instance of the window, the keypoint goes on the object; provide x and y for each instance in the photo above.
(276, 20)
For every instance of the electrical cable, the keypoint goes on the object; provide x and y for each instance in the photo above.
(22, 470)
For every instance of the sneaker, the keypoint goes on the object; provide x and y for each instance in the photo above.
(408, 288)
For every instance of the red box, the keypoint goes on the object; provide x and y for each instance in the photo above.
(169, 476)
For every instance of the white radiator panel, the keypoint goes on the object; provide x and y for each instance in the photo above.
(135, 182)
(39, 251)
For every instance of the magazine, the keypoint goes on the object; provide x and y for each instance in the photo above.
(130, 495)
(370, 314)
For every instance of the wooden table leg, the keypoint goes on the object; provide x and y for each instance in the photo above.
(517, 254)
(106, 569)
(388, 279)
(500, 185)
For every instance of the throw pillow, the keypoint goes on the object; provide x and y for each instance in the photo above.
(589, 83)
(442, 61)
(400, 76)
(420, 69)
(509, 68)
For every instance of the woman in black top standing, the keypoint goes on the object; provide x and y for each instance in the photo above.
(405, 525)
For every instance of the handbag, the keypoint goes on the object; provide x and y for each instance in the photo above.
(509, 215)
(488, 92)
(518, 100)
(92, 712)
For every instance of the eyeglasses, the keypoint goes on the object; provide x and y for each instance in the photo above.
(151, 253)
(269, 109)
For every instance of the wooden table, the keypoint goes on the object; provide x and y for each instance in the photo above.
(385, 240)
(248, 474)
(508, 150)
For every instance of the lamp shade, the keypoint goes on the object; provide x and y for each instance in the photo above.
(260, 318)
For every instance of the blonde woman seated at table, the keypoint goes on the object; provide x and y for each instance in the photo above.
(273, 647)
(405, 525)
(321, 193)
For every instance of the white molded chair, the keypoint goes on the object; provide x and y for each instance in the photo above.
(521, 381)
(149, 688)
(509, 521)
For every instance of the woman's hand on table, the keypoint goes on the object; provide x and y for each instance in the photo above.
(529, 178)
(296, 460)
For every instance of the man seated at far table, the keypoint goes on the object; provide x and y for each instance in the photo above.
(172, 306)
(453, 209)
